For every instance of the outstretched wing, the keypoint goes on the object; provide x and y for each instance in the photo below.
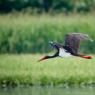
(73, 40)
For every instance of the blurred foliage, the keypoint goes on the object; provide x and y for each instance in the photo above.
(48, 5)
(31, 34)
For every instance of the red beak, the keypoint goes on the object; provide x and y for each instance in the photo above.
(43, 58)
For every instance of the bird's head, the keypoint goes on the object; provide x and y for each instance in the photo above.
(44, 58)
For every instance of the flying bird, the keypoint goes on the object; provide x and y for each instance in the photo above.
(70, 48)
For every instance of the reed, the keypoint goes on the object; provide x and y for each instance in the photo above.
(24, 69)
(31, 34)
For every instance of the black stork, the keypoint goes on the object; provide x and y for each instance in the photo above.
(72, 44)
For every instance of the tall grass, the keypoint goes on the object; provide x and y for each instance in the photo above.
(24, 69)
(26, 34)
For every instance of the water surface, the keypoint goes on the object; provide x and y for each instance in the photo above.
(47, 91)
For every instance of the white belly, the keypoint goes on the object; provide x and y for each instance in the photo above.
(63, 53)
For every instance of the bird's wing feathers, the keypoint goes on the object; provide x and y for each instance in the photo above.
(73, 40)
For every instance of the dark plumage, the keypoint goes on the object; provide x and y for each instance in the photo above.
(73, 40)
(71, 46)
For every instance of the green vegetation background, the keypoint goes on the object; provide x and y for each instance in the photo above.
(24, 69)
(25, 33)
(31, 34)
(47, 5)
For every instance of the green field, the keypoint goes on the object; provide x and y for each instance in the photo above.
(22, 36)
(24, 69)
(31, 34)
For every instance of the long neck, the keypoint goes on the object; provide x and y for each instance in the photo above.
(48, 57)
(52, 56)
